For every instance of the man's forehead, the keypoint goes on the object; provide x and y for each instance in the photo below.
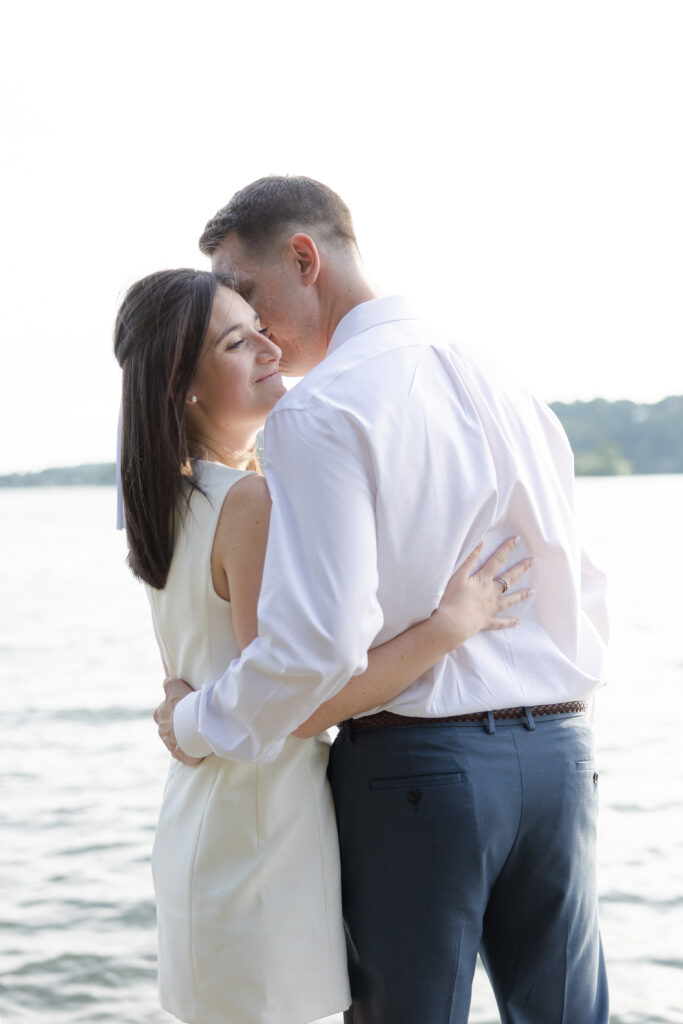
(229, 256)
(226, 267)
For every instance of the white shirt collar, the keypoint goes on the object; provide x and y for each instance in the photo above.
(369, 314)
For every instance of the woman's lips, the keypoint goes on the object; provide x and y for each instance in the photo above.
(275, 373)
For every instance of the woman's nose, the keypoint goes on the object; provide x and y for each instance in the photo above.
(268, 350)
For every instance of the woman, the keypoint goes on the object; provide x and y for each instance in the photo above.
(245, 860)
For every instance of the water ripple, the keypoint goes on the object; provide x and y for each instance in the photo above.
(116, 713)
(615, 896)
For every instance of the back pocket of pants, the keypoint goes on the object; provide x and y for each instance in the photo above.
(419, 781)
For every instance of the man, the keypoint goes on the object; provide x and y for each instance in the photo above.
(467, 809)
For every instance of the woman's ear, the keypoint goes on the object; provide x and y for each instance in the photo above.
(306, 257)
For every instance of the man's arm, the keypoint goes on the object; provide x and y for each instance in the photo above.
(318, 610)
(594, 596)
(593, 581)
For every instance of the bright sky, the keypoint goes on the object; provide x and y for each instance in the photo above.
(515, 167)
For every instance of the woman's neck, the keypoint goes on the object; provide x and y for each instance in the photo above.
(236, 452)
(228, 456)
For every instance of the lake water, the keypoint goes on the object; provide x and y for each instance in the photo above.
(83, 770)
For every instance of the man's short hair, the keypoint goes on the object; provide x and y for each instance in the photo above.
(259, 212)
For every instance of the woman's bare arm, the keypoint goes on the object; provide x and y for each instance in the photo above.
(238, 552)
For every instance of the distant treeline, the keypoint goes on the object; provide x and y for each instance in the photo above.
(608, 439)
(612, 438)
(95, 474)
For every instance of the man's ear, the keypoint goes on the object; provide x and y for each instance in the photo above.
(304, 252)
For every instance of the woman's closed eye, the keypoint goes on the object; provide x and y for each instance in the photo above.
(235, 343)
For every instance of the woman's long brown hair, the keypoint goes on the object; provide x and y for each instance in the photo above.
(158, 339)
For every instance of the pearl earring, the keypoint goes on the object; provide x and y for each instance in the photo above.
(193, 399)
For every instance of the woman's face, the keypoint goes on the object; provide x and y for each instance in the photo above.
(237, 381)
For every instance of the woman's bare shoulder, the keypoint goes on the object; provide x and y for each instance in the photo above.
(245, 513)
(247, 496)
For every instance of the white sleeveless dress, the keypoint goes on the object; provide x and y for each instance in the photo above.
(245, 859)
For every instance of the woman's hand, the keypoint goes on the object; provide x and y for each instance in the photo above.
(175, 689)
(472, 600)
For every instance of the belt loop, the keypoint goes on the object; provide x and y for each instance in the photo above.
(350, 730)
(490, 723)
(530, 724)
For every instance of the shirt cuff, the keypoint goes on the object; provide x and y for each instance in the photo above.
(187, 734)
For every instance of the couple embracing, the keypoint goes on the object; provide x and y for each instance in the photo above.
(366, 580)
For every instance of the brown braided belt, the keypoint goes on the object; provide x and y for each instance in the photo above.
(387, 719)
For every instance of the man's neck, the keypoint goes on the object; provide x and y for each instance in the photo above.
(345, 293)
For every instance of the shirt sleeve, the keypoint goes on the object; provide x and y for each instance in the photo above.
(594, 596)
(318, 610)
(593, 589)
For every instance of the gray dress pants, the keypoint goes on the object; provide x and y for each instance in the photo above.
(456, 839)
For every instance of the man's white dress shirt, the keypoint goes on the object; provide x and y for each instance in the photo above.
(386, 465)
